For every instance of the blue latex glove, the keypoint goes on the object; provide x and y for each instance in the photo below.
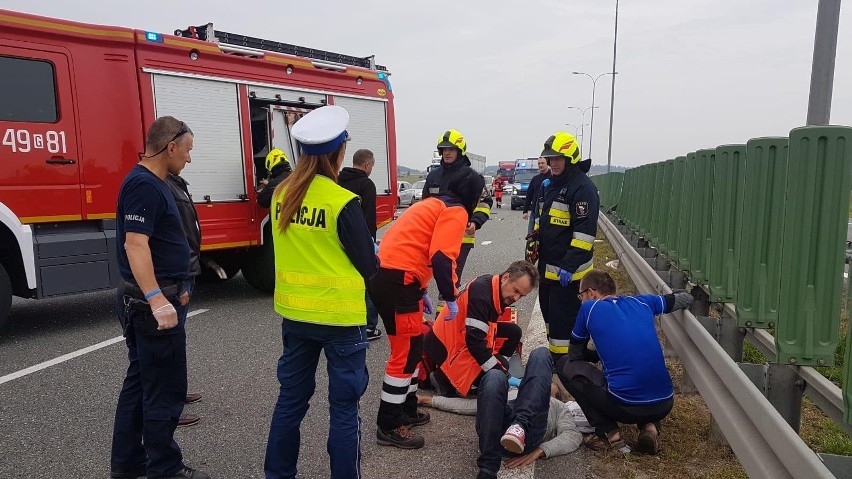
(564, 277)
(427, 305)
(546, 182)
(376, 248)
(514, 382)
(454, 310)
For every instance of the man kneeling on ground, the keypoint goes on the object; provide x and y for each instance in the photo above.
(477, 340)
(634, 387)
(534, 425)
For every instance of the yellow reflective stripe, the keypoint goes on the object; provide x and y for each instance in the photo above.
(581, 244)
(582, 270)
(554, 213)
(311, 304)
(551, 272)
(558, 349)
(469, 240)
(483, 209)
(317, 281)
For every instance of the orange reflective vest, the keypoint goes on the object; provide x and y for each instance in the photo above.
(461, 368)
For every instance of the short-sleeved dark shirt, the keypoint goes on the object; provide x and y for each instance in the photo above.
(146, 206)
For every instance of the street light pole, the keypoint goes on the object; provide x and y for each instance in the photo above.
(592, 126)
(822, 69)
(576, 130)
(583, 120)
(612, 94)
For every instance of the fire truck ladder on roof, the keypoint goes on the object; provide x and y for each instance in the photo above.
(207, 33)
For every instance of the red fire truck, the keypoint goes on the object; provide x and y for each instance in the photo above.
(75, 100)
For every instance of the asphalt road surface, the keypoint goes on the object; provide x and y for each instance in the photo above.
(56, 418)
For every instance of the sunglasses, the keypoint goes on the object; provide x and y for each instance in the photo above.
(581, 293)
(183, 131)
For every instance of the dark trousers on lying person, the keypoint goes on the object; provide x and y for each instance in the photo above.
(587, 385)
(494, 413)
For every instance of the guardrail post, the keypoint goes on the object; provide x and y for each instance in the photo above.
(701, 305)
(731, 337)
(784, 390)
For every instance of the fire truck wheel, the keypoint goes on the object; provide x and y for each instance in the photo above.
(259, 266)
(5, 296)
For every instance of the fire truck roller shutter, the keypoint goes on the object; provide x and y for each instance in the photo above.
(368, 129)
(211, 109)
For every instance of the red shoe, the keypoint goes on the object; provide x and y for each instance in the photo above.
(514, 440)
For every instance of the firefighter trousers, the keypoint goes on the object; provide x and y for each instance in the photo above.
(461, 260)
(559, 307)
(401, 308)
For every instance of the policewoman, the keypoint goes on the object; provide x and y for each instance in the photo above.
(323, 254)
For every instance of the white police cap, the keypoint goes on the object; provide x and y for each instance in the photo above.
(322, 130)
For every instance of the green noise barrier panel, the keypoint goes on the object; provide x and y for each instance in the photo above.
(687, 213)
(676, 222)
(699, 231)
(665, 206)
(759, 272)
(813, 248)
(725, 222)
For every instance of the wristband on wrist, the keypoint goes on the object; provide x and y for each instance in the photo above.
(152, 293)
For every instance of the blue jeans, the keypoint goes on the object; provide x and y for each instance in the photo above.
(152, 396)
(346, 351)
(494, 414)
(372, 313)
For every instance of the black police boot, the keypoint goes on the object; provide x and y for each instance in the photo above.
(189, 473)
(137, 473)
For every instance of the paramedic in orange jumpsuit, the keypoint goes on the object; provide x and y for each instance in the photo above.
(422, 242)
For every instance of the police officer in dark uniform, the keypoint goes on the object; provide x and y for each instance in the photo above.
(566, 227)
(153, 258)
(453, 149)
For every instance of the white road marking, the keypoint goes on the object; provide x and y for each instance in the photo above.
(72, 355)
(487, 242)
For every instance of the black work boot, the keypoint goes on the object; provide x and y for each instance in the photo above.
(187, 472)
(401, 437)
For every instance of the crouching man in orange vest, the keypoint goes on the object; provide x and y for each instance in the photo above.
(482, 336)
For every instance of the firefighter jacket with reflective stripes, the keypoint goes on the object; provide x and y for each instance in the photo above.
(470, 337)
(436, 184)
(567, 224)
(317, 288)
(426, 240)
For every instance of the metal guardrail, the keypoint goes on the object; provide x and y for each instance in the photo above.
(764, 443)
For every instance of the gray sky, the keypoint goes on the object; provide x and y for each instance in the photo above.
(692, 74)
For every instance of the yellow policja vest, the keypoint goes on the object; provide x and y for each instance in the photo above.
(315, 282)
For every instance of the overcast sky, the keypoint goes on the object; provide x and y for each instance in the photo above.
(691, 73)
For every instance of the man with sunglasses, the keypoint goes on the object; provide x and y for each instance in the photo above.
(634, 386)
(153, 258)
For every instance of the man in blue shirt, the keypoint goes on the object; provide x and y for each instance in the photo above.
(634, 386)
(153, 258)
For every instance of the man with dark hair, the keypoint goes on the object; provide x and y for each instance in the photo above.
(533, 191)
(154, 262)
(357, 180)
(465, 349)
(634, 387)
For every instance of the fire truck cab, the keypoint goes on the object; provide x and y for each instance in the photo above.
(75, 103)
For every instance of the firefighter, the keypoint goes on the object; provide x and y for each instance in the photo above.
(323, 254)
(453, 149)
(565, 229)
(278, 168)
(465, 350)
(422, 242)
